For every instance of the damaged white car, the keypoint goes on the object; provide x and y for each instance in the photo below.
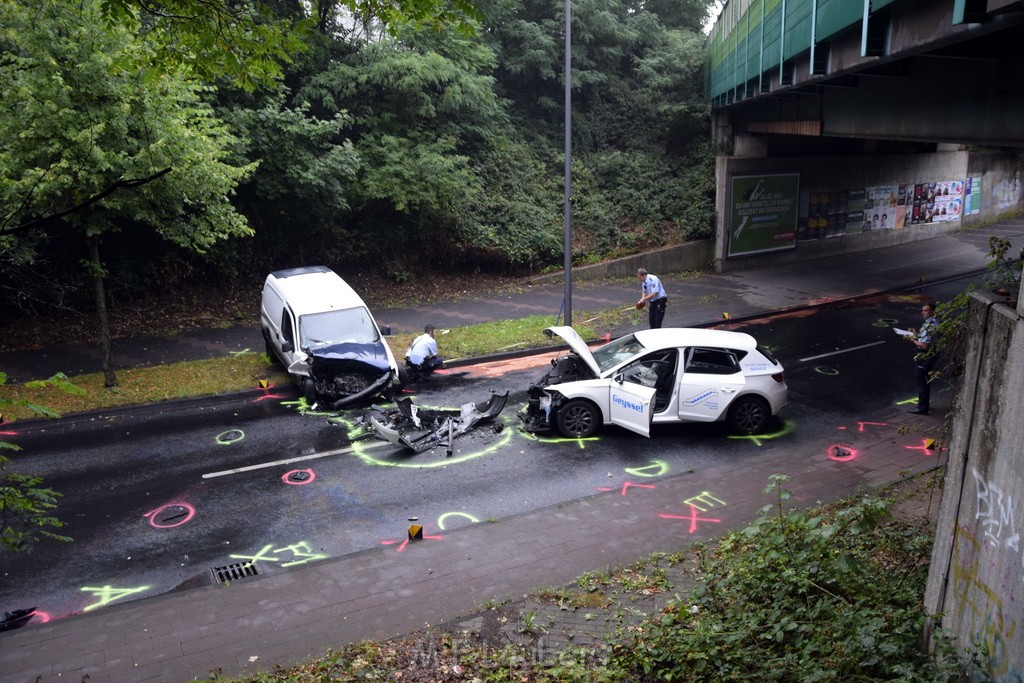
(655, 377)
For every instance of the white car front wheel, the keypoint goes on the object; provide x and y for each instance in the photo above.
(578, 419)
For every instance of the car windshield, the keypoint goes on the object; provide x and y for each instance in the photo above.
(335, 327)
(617, 352)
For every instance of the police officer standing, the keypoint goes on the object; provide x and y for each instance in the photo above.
(653, 292)
(924, 360)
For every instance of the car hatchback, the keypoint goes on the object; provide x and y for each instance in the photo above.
(657, 376)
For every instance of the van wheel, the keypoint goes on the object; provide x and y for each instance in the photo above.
(309, 390)
(270, 350)
(578, 419)
(748, 415)
(403, 378)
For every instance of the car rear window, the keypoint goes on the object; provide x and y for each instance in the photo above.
(767, 354)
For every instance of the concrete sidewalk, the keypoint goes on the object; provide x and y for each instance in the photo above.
(284, 617)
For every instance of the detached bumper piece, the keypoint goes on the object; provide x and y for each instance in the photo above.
(420, 429)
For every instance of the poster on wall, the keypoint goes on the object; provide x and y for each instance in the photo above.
(948, 204)
(972, 198)
(880, 205)
(855, 200)
(763, 213)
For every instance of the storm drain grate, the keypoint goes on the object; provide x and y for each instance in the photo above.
(239, 570)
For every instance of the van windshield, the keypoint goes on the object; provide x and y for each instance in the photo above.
(353, 325)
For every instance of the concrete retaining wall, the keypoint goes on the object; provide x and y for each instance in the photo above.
(1000, 187)
(976, 578)
(690, 256)
(1000, 184)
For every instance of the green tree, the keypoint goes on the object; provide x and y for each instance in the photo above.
(77, 122)
(421, 106)
(307, 169)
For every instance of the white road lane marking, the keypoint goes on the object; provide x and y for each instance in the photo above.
(324, 454)
(836, 353)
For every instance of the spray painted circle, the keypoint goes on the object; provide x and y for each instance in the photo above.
(230, 437)
(885, 322)
(841, 453)
(171, 515)
(298, 477)
(825, 370)
(444, 518)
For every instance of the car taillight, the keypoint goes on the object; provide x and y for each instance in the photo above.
(779, 377)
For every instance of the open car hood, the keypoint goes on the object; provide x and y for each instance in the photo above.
(576, 343)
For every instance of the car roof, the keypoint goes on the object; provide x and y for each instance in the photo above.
(671, 337)
(314, 289)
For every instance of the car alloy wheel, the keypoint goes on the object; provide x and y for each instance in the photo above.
(748, 415)
(578, 419)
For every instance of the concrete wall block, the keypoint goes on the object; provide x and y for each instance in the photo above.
(1002, 193)
(976, 578)
(690, 256)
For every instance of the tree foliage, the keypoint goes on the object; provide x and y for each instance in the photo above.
(416, 135)
(25, 506)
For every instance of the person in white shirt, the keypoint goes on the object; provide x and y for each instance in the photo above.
(422, 354)
(654, 292)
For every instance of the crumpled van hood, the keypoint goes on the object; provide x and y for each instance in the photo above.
(359, 356)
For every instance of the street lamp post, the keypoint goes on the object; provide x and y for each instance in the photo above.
(567, 206)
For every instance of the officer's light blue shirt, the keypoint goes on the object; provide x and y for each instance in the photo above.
(653, 284)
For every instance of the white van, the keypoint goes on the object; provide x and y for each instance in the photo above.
(325, 336)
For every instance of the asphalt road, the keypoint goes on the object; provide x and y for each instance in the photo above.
(156, 498)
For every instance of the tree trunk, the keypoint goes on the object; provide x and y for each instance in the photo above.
(109, 378)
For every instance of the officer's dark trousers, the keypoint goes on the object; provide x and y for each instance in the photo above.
(657, 312)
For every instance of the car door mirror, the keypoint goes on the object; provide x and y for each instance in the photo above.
(620, 377)
(287, 347)
(385, 330)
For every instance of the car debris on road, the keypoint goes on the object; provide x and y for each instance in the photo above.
(420, 429)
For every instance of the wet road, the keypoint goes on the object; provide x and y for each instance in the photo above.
(158, 498)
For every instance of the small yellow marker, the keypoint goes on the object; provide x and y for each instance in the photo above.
(415, 532)
(726, 316)
(264, 383)
(929, 444)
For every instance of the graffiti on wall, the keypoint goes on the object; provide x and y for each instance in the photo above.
(984, 584)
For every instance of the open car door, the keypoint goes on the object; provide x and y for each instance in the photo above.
(632, 406)
(711, 379)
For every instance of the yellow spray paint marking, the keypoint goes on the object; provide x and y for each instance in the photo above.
(705, 499)
(561, 439)
(787, 427)
(656, 469)
(229, 437)
(825, 370)
(906, 401)
(243, 352)
(298, 550)
(108, 594)
(363, 453)
(443, 518)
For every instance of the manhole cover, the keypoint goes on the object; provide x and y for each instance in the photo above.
(234, 572)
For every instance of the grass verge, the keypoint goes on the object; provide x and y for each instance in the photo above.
(142, 385)
(243, 371)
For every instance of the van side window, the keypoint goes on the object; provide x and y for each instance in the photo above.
(287, 333)
(712, 362)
